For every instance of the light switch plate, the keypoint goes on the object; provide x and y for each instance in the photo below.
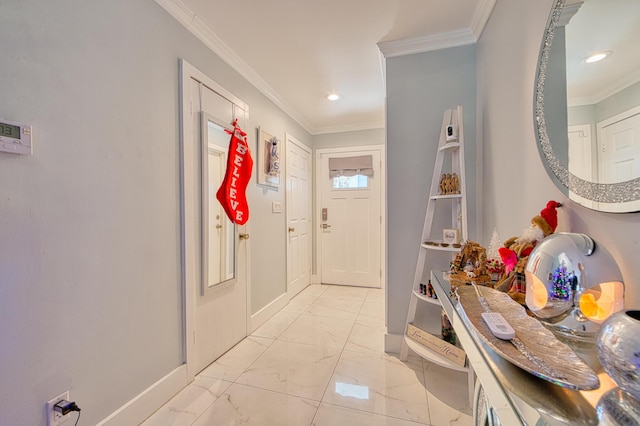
(276, 207)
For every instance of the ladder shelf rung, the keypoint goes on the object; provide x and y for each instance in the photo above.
(441, 248)
(445, 197)
(449, 145)
(426, 298)
(432, 356)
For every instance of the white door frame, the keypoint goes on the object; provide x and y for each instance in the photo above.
(356, 150)
(289, 139)
(190, 195)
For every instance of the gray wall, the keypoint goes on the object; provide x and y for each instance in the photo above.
(344, 139)
(90, 274)
(516, 185)
(420, 88)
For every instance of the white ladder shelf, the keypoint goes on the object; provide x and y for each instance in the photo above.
(453, 149)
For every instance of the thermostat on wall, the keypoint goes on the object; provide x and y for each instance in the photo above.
(15, 137)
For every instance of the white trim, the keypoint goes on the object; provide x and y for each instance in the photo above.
(317, 279)
(393, 342)
(349, 127)
(409, 46)
(618, 117)
(148, 401)
(619, 86)
(179, 10)
(267, 312)
(481, 16)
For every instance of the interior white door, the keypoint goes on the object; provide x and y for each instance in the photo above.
(619, 154)
(350, 227)
(298, 178)
(221, 299)
(580, 150)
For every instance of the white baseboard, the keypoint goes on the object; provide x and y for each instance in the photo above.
(268, 311)
(393, 342)
(146, 403)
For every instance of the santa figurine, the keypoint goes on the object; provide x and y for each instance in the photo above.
(516, 250)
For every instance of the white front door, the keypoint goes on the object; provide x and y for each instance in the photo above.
(350, 222)
(298, 172)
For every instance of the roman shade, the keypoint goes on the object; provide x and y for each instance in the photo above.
(351, 166)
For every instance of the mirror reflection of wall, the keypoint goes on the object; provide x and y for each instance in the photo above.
(603, 97)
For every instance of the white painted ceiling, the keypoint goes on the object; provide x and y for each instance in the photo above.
(602, 25)
(298, 51)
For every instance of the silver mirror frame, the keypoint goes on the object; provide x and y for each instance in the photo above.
(608, 196)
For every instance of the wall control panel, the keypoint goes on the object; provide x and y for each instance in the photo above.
(15, 137)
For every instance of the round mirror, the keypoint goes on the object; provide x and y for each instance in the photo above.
(587, 111)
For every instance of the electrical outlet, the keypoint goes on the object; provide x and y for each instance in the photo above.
(54, 418)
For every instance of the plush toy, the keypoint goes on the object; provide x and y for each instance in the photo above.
(516, 250)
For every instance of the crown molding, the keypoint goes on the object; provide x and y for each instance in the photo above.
(409, 46)
(480, 17)
(371, 125)
(202, 32)
(605, 93)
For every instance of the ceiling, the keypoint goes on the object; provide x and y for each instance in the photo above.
(298, 51)
(602, 25)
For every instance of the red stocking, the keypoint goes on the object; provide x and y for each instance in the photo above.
(232, 194)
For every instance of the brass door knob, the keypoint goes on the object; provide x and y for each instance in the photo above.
(243, 236)
(292, 229)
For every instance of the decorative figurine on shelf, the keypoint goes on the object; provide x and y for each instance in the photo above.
(449, 184)
(430, 291)
(448, 334)
(455, 184)
(516, 250)
(470, 265)
(494, 263)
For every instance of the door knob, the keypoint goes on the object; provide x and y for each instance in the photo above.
(218, 226)
(243, 236)
(325, 226)
(292, 229)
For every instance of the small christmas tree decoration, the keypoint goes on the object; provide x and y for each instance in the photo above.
(561, 283)
(494, 263)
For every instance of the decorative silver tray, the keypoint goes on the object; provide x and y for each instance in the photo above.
(561, 364)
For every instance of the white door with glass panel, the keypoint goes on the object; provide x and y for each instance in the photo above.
(298, 172)
(350, 217)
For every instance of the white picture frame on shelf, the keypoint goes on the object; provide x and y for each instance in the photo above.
(451, 236)
(269, 159)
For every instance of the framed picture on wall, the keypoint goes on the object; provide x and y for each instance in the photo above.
(269, 156)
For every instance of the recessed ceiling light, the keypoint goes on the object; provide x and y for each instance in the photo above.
(333, 96)
(597, 56)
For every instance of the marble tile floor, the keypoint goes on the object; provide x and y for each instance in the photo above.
(320, 361)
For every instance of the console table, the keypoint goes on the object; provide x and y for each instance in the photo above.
(514, 396)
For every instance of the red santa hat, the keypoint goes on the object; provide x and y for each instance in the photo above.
(547, 220)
